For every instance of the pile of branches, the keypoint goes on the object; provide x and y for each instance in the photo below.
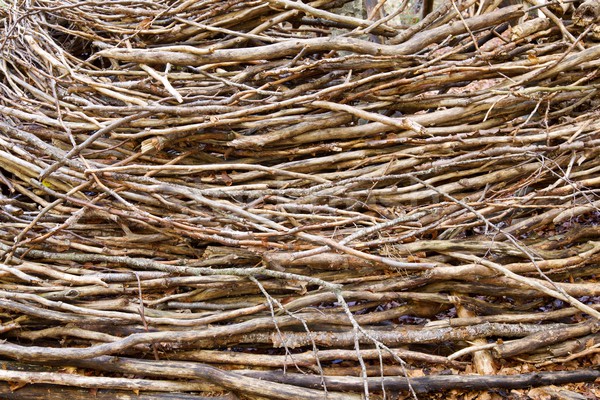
(274, 199)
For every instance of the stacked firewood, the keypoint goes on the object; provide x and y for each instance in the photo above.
(273, 199)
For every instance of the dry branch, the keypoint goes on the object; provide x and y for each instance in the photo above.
(281, 186)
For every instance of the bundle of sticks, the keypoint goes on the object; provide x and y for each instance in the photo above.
(276, 199)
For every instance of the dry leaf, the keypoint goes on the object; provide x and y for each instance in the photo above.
(145, 24)
(14, 386)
